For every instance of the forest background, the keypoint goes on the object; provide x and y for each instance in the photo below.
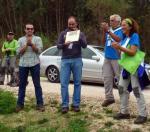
(50, 17)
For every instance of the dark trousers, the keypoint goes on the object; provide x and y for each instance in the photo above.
(23, 75)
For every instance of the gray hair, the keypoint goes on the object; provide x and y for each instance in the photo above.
(117, 17)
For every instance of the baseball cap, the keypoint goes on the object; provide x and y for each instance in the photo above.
(11, 33)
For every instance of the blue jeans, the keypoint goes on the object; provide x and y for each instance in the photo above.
(23, 75)
(67, 66)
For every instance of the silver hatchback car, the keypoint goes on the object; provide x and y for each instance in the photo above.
(92, 56)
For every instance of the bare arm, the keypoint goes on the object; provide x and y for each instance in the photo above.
(115, 37)
(131, 51)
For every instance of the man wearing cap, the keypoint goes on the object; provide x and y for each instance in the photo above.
(9, 57)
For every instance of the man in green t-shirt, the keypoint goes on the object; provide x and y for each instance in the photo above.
(9, 58)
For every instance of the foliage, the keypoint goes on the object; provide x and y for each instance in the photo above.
(50, 17)
(77, 125)
(7, 102)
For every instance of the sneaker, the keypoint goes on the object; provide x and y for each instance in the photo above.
(140, 120)
(1, 83)
(19, 108)
(107, 103)
(64, 110)
(119, 116)
(40, 108)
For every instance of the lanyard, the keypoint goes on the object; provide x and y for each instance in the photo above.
(109, 38)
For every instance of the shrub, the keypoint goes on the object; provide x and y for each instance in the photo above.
(7, 102)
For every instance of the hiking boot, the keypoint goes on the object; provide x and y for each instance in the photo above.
(119, 116)
(64, 110)
(140, 120)
(107, 103)
(1, 83)
(40, 108)
(75, 108)
(10, 83)
(14, 85)
(19, 108)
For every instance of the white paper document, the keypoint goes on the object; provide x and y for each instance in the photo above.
(72, 36)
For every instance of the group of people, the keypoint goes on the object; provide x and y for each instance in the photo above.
(115, 38)
(115, 34)
(27, 49)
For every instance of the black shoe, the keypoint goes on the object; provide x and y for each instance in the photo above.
(19, 108)
(119, 116)
(75, 108)
(40, 108)
(140, 120)
(14, 85)
(9, 83)
(107, 103)
(64, 110)
(1, 83)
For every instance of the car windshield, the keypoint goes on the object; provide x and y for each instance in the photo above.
(99, 49)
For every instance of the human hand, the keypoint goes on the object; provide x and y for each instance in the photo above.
(105, 26)
(29, 41)
(115, 45)
(67, 43)
(8, 49)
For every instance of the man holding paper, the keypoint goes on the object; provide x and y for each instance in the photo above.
(71, 41)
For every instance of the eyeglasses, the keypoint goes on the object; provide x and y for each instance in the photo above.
(29, 28)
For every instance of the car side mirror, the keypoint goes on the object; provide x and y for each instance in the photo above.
(97, 58)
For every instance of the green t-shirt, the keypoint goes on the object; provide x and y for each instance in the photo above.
(10, 45)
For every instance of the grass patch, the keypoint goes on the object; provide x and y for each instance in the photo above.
(7, 102)
(3, 128)
(52, 120)
(97, 115)
(77, 125)
(137, 130)
(109, 124)
(42, 121)
(108, 110)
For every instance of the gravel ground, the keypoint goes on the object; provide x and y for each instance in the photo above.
(92, 96)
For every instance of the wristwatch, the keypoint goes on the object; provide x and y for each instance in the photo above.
(108, 31)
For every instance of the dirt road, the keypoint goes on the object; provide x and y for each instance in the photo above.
(88, 90)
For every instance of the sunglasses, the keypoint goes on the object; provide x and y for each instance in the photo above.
(112, 20)
(29, 28)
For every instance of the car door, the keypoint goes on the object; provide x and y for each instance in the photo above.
(50, 57)
(91, 68)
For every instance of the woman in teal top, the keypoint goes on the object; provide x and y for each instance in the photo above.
(130, 29)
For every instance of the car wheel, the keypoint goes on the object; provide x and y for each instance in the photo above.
(52, 74)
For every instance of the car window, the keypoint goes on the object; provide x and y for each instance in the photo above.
(100, 51)
(52, 52)
(87, 53)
